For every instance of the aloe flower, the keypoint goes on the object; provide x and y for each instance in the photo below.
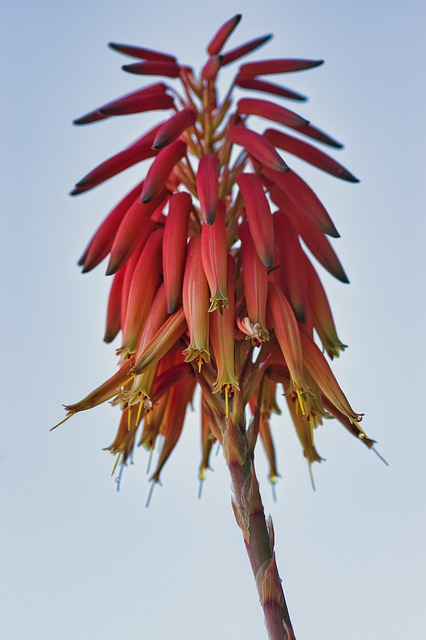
(212, 284)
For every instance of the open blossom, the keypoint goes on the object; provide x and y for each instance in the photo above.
(212, 286)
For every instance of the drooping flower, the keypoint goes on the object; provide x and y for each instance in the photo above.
(208, 251)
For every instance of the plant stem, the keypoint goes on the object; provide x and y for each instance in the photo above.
(258, 533)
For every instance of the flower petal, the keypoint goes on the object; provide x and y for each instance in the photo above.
(258, 216)
(279, 65)
(320, 370)
(208, 186)
(292, 264)
(139, 150)
(288, 335)
(135, 96)
(309, 154)
(135, 227)
(103, 238)
(174, 247)
(221, 36)
(173, 128)
(244, 49)
(164, 339)
(113, 319)
(140, 52)
(270, 111)
(161, 168)
(145, 281)
(255, 279)
(256, 145)
(293, 194)
(195, 298)
(268, 87)
(154, 68)
(214, 258)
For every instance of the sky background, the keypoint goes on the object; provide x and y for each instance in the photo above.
(78, 559)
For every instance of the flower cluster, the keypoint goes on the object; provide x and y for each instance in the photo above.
(211, 284)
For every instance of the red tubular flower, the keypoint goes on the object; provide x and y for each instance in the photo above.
(135, 98)
(257, 146)
(162, 342)
(294, 196)
(255, 278)
(174, 247)
(173, 128)
(211, 68)
(268, 87)
(320, 246)
(244, 49)
(135, 228)
(196, 305)
(138, 151)
(291, 264)
(140, 52)
(288, 336)
(321, 313)
(258, 216)
(157, 316)
(216, 43)
(269, 67)
(213, 256)
(200, 228)
(113, 320)
(320, 370)
(208, 186)
(153, 68)
(160, 169)
(308, 153)
(222, 329)
(101, 243)
(270, 111)
(142, 290)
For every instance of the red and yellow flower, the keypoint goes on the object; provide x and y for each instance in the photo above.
(211, 284)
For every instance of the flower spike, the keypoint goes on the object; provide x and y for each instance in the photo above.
(212, 283)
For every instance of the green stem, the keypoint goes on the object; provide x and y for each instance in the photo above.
(257, 532)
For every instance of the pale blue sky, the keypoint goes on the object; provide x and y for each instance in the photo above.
(78, 559)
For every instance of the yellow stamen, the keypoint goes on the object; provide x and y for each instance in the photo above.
(138, 417)
(299, 397)
(117, 460)
(129, 417)
(70, 415)
(311, 476)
